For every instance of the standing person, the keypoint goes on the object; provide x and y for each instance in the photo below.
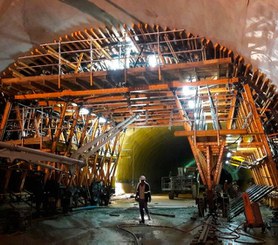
(226, 186)
(143, 196)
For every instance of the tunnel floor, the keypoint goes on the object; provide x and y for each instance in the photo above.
(172, 222)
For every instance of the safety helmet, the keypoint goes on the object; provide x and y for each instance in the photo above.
(142, 177)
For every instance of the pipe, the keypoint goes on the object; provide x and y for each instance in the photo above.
(85, 208)
(53, 157)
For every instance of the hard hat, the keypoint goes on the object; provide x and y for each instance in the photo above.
(142, 177)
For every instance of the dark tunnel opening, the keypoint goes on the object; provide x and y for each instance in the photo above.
(155, 152)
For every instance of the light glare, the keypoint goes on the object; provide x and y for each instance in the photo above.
(152, 61)
(191, 104)
(188, 91)
(84, 111)
(102, 120)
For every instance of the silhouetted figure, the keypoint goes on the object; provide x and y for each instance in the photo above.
(143, 196)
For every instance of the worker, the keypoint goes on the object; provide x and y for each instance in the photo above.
(143, 196)
(226, 187)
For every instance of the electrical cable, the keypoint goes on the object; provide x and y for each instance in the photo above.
(163, 226)
(260, 241)
(175, 228)
(121, 227)
(134, 236)
(236, 232)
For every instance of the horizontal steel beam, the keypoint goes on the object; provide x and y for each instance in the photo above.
(166, 87)
(204, 133)
(31, 155)
(85, 75)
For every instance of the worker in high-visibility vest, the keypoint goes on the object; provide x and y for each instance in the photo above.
(143, 196)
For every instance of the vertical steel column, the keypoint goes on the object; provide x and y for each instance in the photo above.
(94, 169)
(21, 120)
(158, 55)
(231, 112)
(59, 65)
(255, 176)
(209, 158)
(264, 175)
(260, 175)
(59, 128)
(271, 165)
(72, 129)
(108, 177)
(119, 145)
(4, 120)
(219, 164)
(267, 174)
(103, 162)
(192, 145)
(91, 63)
(125, 60)
(84, 130)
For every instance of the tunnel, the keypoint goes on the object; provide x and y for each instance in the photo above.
(100, 99)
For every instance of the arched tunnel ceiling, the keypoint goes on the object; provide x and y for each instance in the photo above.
(247, 27)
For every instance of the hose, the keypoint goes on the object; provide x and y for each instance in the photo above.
(134, 236)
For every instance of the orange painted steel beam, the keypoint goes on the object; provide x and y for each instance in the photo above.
(128, 105)
(231, 112)
(193, 147)
(155, 124)
(29, 141)
(205, 133)
(168, 86)
(4, 120)
(72, 129)
(59, 128)
(219, 163)
(70, 93)
(259, 175)
(20, 118)
(241, 144)
(144, 108)
(131, 103)
(273, 173)
(84, 130)
(85, 75)
(267, 174)
(108, 176)
(255, 176)
(223, 81)
(249, 213)
(209, 163)
(163, 117)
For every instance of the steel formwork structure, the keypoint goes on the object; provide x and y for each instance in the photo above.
(160, 77)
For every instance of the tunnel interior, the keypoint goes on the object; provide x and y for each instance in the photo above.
(156, 152)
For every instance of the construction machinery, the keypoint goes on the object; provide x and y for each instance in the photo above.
(186, 181)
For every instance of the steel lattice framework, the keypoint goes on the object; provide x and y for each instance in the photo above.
(160, 77)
